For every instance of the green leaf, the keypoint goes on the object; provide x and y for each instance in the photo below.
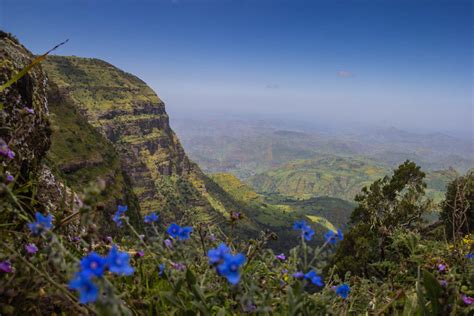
(190, 277)
(23, 72)
(433, 290)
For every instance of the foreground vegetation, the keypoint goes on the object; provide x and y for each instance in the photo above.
(186, 268)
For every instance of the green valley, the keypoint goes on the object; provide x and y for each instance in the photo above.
(341, 177)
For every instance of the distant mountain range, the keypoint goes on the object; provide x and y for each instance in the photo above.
(303, 163)
(246, 147)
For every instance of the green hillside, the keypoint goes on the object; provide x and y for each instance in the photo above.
(341, 177)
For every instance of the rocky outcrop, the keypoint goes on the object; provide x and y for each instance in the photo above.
(24, 118)
(25, 128)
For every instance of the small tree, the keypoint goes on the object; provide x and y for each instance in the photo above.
(458, 207)
(388, 204)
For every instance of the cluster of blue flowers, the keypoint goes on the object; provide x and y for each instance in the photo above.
(42, 224)
(306, 230)
(333, 237)
(227, 264)
(94, 265)
(151, 218)
(117, 218)
(181, 233)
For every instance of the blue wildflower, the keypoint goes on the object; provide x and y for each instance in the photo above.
(119, 262)
(162, 269)
(88, 291)
(42, 223)
(299, 225)
(173, 230)
(314, 278)
(308, 233)
(121, 209)
(306, 230)
(151, 218)
(230, 267)
(217, 255)
(333, 237)
(184, 232)
(176, 231)
(470, 255)
(343, 290)
(94, 264)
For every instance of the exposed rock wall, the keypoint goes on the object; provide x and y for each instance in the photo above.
(25, 127)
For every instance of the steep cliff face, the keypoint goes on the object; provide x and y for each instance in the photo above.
(132, 117)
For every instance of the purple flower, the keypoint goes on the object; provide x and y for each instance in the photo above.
(281, 257)
(6, 266)
(443, 283)
(467, 300)
(178, 266)
(168, 243)
(142, 237)
(76, 239)
(139, 254)
(470, 255)
(250, 308)
(298, 275)
(5, 150)
(9, 177)
(29, 110)
(31, 249)
(234, 216)
(441, 267)
(212, 237)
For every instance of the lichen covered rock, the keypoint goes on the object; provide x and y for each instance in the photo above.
(24, 118)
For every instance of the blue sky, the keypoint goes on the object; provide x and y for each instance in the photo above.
(402, 63)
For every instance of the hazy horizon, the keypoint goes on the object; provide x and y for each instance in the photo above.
(386, 63)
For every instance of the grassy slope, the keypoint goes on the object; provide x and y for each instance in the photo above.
(336, 177)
